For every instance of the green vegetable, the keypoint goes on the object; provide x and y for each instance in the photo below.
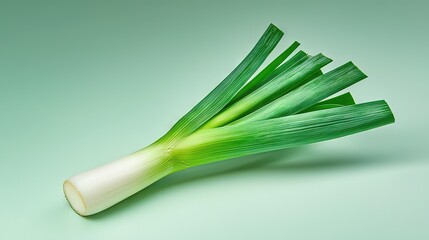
(267, 72)
(232, 141)
(339, 101)
(282, 106)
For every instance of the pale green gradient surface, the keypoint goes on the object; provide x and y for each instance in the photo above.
(85, 83)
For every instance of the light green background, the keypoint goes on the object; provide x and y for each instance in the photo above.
(85, 82)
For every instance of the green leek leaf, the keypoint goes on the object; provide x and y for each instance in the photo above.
(259, 80)
(225, 91)
(209, 145)
(339, 101)
(308, 94)
(284, 82)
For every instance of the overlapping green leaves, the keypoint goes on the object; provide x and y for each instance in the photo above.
(281, 106)
(232, 141)
(226, 90)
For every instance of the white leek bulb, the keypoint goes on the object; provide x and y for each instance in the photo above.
(97, 189)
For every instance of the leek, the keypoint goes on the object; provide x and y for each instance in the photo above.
(283, 106)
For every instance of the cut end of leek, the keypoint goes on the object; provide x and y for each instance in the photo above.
(74, 198)
(283, 106)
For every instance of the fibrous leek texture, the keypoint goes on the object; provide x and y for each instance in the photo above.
(232, 141)
(283, 106)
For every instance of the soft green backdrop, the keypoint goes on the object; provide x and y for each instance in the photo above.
(85, 82)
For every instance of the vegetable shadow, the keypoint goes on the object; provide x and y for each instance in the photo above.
(287, 161)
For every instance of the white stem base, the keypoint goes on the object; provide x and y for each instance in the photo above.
(97, 189)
